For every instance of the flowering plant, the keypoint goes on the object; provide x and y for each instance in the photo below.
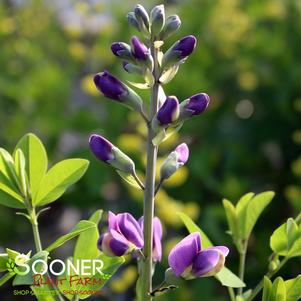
(26, 184)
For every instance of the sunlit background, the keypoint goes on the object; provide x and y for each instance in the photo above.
(247, 59)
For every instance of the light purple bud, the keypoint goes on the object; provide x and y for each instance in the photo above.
(198, 103)
(157, 237)
(110, 86)
(169, 112)
(101, 148)
(139, 50)
(185, 46)
(182, 151)
(187, 260)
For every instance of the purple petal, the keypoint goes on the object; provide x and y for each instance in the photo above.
(118, 244)
(169, 112)
(198, 103)
(223, 249)
(99, 242)
(130, 228)
(113, 221)
(157, 237)
(183, 153)
(109, 85)
(139, 51)
(101, 147)
(185, 46)
(205, 262)
(183, 254)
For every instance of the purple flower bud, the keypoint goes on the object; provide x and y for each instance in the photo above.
(105, 151)
(101, 148)
(113, 88)
(122, 50)
(174, 161)
(169, 112)
(198, 103)
(185, 46)
(177, 53)
(188, 260)
(124, 235)
(182, 151)
(142, 18)
(140, 51)
(172, 24)
(157, 237)
(110, 86)
(157, 18)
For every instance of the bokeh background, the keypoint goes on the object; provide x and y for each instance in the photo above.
(247, 59)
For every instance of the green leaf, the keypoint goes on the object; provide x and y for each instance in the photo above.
(35, 158)
(86, 245)
(286, 240)
(5, 278)
(225, 276)
(254, 209)
(232, 219)
(20, 170)
(267, 289)
(29, 277)
(3, 261)
(78, 229)
(278, 290)
(293, 289)
(58, 179)
(129, 178)
(9, 197)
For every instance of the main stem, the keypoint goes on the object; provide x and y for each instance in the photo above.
(148, 209)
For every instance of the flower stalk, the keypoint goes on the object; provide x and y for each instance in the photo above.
(149, 193)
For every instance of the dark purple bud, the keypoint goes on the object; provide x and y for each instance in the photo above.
(157, 237)
(122, 50)
(187, 260)
(110, 86)
(182, 151)
(140, 51)
(177, 53)
(185, 46)
(101, 148)
(198, 103)
(169, 112)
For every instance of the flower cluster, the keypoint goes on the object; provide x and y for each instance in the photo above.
(165, 113)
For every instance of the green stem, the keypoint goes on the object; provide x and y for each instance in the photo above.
(38, 244)
(148, 209)
(270, 274)
(231, 293)
(242, 263)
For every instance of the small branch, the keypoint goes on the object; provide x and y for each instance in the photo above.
(42, 211)
(139, 182)
(231, 293)
(270, 274)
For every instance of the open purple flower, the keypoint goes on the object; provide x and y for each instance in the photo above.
(189, 261)
(124, 235)
(157, 237)
(169, 112)
(179, 51)
(174, 161)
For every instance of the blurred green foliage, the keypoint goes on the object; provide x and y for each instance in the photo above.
(247, 59)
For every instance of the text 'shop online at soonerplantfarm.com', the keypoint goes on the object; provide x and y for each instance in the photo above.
(109, 242)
